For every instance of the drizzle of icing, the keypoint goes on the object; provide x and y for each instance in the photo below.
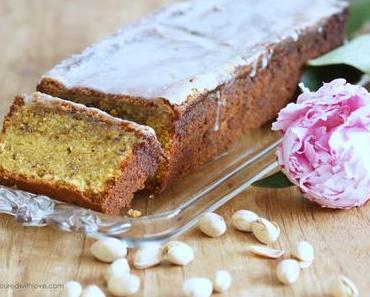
(266, 58)
(190, 48)
(253, 71)
(220, 102)
(295, 36)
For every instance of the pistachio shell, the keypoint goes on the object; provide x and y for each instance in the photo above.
(342, 286)
(288, 271)
(109, 249)
(117, 268)
(212, 224)
(92, 291)
(178, 253)
(198, 287)
(243, 219)
(221, 281)
(265, 231)
(125, 285)
(265, 251)
(72, 289)
(148, 256)
(304, 253)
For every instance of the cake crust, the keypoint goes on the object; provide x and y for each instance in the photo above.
(118, 193)
(207, 121)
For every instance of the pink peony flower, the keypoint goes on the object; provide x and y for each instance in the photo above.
(326, 144)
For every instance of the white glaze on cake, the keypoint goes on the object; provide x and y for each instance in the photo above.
(190, 48)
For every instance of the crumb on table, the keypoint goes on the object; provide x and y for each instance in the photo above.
(134, 213)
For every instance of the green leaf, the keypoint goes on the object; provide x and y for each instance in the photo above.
(359, 15)
(349, 61)
(313, 77)
(355, 53)
(276, 180)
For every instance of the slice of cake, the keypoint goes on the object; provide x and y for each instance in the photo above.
(202, 72)
(75, 154)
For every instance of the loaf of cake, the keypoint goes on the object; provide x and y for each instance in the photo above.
(75, 154)
(201, 72)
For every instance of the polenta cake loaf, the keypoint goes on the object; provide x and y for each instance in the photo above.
(75, 154)
(202, 72)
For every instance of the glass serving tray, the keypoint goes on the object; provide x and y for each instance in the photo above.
(166, 215)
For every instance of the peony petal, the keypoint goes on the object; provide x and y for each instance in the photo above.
(326, 144)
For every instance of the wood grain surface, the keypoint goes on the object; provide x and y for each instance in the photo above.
(34, 35)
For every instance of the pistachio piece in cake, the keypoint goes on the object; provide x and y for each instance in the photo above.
(75, 154)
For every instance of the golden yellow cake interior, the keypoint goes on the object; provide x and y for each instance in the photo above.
(63, 147)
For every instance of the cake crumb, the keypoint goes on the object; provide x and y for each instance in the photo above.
(134, 213)
(151, 196)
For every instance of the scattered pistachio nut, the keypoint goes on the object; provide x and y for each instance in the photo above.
(265, 231)
(72, 289)
(118, 268)
(92, 291)
(288, 271)
(178, 253)
(148, 256)
(125, 285)
(264, 251)
(342, 286)
(243, 219)
(109, 249)
(222, 281)
(304, 253)
(197, 287)
(212, 224)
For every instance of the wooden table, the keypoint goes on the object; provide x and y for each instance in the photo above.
(34, 35)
